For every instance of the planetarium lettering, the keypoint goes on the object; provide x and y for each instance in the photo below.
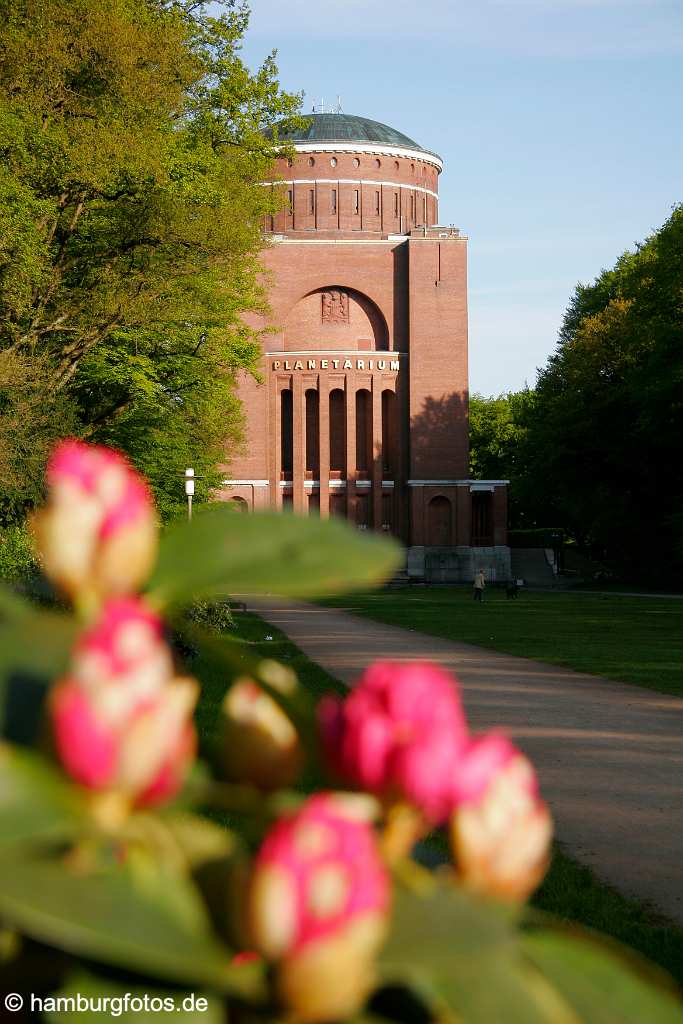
(336, 364)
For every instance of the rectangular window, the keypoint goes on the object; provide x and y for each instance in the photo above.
(311, 200)
(377, 201)
(395, 204)
(290, 202)
(412, 207)
(356, 201)
(333, 200)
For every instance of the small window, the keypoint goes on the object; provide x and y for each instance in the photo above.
(311, 162)
(311, 200)
(290, 162)
(333, 200)
(290, 201)
(396, 164)
(377, 202)
(395, 204)
(412, 207)
(333, 161)
(412, 168)
(356, 162)
(356, 201)
(378, 163)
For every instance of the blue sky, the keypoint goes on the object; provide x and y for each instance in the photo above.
(559, 122)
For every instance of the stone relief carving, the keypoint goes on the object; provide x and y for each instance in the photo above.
(335, 307)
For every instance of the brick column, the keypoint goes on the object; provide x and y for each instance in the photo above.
(324, 443)
(299, 444)
(276, 452)
(376, 475)
(350, 392)
(463, 518)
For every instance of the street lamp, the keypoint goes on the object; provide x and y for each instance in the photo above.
(189, 490)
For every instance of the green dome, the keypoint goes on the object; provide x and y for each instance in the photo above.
(347, 128)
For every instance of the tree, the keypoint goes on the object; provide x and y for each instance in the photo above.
(32, 416)
(133, 143)
(498, 450)
(605, 437)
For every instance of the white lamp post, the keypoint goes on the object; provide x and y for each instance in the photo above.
(189, 490)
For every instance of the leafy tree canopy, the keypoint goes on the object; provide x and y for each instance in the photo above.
(605, 436)
(498, 431)
(132, 148)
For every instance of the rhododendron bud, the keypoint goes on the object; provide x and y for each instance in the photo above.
(317, 904)
(259, 742)
(399, 734)
(120, 719)
(98, 531)
(501, 829)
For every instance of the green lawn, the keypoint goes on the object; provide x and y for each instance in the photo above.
(569, 891)
(632, 639)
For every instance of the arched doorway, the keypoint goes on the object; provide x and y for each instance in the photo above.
(337, 433)
(388, 433)
(363, 432)
(239, 504)
(286, 434)
(312, 434)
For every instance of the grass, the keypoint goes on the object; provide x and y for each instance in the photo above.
(631, 639)
(570, 891)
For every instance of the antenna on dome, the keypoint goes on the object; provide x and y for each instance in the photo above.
(338, 109)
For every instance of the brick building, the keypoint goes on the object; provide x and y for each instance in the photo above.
(362, 411)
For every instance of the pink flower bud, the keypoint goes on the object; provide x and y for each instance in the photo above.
(400, 734)
(259, 743)
(98, 530)
(120, 719)
(316, 870)
(501, 829)
(317, 904)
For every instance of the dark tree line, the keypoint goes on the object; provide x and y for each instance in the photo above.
(597, 446)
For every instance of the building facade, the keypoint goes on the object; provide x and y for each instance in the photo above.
(363, 407)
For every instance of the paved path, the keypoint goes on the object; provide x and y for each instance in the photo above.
(609, 755)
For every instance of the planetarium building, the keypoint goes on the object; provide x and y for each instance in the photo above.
(362, 410)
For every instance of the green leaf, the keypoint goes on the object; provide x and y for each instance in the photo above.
(36, 803)
(461, 957)
(12, 607)
(35, 646)
(600, 985)
(124, 1001)
(134, 915)
(197, 839)
(33, 641)
(220, 553)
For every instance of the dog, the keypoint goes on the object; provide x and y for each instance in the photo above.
(511, 590)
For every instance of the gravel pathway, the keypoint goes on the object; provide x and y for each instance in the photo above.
(609, 755)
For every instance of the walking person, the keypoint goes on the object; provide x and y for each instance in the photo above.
(479, 584)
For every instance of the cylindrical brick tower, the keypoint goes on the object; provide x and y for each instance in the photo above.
(353, 174)
(362, 411)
